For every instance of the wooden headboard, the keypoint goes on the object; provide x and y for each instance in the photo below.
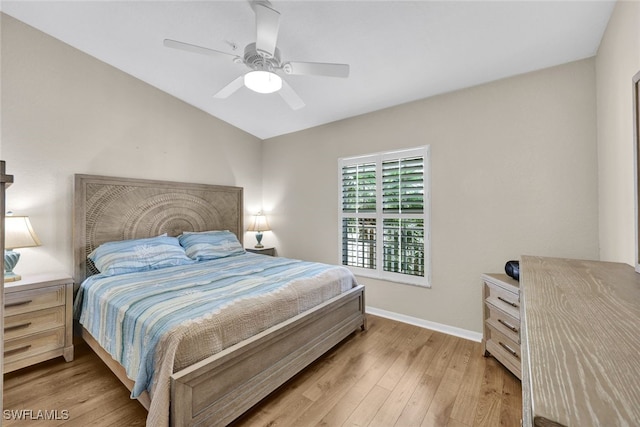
(108, 208)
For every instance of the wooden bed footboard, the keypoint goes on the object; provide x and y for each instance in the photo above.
(222, 387)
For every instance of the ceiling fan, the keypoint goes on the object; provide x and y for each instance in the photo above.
(264, 60)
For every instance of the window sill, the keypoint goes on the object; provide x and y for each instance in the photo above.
(417, 283)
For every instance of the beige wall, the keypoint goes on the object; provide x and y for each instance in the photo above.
(617, 62)
(513, 172)
(65, 112)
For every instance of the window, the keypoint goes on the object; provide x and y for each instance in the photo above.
(384, 223)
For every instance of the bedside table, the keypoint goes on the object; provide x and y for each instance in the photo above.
(501, 312)
(38, 322)
(262, 251)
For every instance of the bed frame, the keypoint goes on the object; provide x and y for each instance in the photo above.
(221, 387)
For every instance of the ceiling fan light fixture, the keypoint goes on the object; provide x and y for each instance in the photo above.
(263, 81)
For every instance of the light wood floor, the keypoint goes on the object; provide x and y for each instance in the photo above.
(391, 375)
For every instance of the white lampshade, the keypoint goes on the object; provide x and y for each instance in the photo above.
(18, 233)
(263, 81)
(259, 223)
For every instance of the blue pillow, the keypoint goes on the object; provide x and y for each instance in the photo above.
(128, 256)
(207, 245)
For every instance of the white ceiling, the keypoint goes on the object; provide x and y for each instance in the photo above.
(399, 51)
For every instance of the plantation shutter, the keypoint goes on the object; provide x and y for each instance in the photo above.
(359, 233)
(403, 193)
(403, 185)
(383, 209)
(359, 188)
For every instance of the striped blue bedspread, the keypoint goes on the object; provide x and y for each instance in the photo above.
(128, 314)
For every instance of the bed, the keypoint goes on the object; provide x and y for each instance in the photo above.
(213, 389)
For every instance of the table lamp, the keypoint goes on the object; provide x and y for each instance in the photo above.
(18, 233)
(259, 225)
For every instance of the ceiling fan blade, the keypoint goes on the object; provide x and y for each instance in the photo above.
(193, 48)
(290, 96)
(267, 25)
(229, 89)
(316, 69)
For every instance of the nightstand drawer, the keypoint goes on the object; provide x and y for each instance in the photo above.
(20, 325)
(504, 300)
(21, 348)
(508, 325)
(32, 300)
(505, 350)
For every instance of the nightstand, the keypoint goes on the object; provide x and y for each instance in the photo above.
(262, 251)
(501, 308)
(38, 324)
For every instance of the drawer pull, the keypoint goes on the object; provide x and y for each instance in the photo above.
(509, 349)
(508, 326)
(512, 304)
(15, 304)
(16, 327)
(17, 350)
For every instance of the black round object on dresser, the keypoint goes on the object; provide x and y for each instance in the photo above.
(512, 268)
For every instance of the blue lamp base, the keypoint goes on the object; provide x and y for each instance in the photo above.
(10, 260)
(259, 239)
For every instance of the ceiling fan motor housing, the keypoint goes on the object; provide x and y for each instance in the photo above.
(259, 60)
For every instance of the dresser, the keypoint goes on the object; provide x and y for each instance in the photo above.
(38, 326)
(580, 343)
(501, 312)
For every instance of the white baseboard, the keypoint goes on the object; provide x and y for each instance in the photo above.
(446, 329)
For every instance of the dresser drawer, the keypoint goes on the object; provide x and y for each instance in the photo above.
(503, 300)
(20, 348)
(20, 325)
(501, 321)
(34, 299)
